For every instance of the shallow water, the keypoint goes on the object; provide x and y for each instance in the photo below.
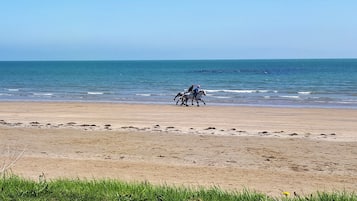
(292, 83)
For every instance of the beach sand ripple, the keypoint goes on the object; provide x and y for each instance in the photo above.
(267, 149)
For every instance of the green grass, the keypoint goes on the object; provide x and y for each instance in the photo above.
(16, 188)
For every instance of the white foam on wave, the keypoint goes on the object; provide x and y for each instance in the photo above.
(42, 94)
(293, 97)
(263, 91)
(143, 94)
(213, 91)
(94, 93)
(304, 92)
(231, 91)
(242, 91)
(13, 90)
(221, 97)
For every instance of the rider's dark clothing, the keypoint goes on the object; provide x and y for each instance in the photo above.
(195, 91)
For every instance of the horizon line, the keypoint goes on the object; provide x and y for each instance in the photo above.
(212, 59)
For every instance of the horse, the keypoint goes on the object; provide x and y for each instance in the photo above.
(179, 97)
(190, 96)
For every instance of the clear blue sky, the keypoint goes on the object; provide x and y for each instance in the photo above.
(185, 29)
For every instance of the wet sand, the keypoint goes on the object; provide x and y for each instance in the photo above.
(266, 149)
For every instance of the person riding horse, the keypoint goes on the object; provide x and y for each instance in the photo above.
(194, 89)
(191, 93)
(195, 95)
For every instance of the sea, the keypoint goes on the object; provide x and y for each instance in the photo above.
(317, 83)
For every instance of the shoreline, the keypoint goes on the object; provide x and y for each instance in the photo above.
(265, 149)
(216, 104)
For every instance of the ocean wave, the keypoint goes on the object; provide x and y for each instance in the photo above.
(13, 90)
(304, 92)
(292, 97)
(95, 93)
(42, 94)
(221, 97)
(346, 102)
(143, 94)
(242, 91)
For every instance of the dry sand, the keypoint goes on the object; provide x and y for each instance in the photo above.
(266, 149)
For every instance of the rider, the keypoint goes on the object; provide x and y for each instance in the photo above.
(190, 89)
(195, 90)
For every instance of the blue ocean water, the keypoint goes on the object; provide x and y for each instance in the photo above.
(292, 83)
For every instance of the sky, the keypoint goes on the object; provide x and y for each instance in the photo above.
(174, 30)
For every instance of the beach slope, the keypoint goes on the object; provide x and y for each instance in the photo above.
(267, 149)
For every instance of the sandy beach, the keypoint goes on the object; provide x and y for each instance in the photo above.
(270, 150)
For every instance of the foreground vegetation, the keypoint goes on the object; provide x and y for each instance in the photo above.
(16, 188)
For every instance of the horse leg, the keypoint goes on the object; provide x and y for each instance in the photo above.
(182, 100)
(186, 99)
(177, 96)
(203, 101)
(178, 100)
